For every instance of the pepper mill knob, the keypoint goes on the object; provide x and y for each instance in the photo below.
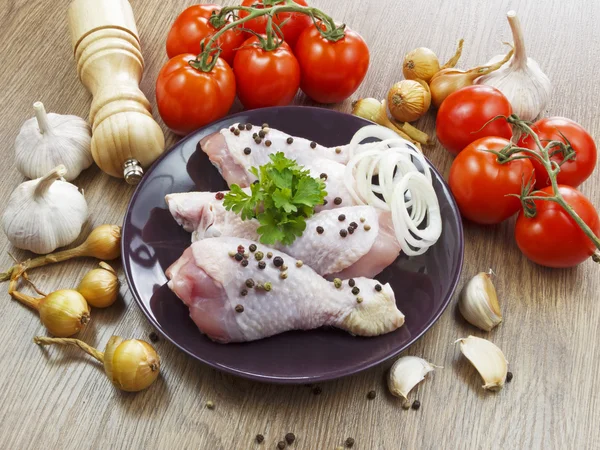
(125, 137)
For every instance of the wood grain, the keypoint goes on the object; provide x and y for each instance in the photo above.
(60, 399)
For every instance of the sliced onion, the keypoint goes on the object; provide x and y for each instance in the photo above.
(406, 189)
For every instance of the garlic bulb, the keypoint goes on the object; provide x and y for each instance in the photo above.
(522, 81)
(47, 140)
(44, 214)
(478, 302)
(406, 373)
(488, 359)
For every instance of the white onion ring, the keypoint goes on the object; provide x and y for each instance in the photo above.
(402, 185)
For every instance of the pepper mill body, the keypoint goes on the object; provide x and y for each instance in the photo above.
(125, 137)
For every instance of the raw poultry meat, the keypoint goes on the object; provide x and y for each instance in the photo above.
(233, 154)
(233, 301)
(361, 252)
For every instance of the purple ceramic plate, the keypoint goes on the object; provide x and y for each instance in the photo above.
(152, 240)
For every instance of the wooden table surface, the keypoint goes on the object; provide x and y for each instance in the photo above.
(60, 398)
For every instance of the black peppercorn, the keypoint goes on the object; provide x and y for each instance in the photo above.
(278, 261)
(262, 133)
(258, 140)
(240, 249)
(239, 309)
(349, 442)
(416, 405)
(241, 126)
(250, 283)
(260, 438)
(313, 145)
(317, 390)
(341, 217)
(351, 282)
(239, 257)
(351, 230)
(323, 176)
(262, 265)
(254, 135)
(255, 182)
(509, 377)
(252, 247)
(268, 143)
(290, 438)
(354, 225)
(325, 201)
(320, 230)
(343, 233)
(248, 126)
(219, 196)
(247, 151)
(337, 201)
(290, 140)
(232, 129)
(153, 337)
(371, 395)
(244, 263)
(355, 290)
(281, 445)
(244, 292)
(378, 287)
(236, 132)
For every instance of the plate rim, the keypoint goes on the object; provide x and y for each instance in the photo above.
(266, 378)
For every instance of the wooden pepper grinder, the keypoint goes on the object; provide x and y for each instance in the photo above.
(125, 137)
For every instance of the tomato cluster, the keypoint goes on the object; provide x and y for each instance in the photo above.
(327, 71)
(487, 187)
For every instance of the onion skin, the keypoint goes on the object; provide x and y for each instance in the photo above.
(64, 312)
(409, 100)
(420, 64)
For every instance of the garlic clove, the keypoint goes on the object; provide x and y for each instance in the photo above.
(406, 373)
(478, 302)
(522, 81)
(44, 214)
(488, 359)
(47, 140)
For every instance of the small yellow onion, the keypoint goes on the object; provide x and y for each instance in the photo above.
(64, 312)
(422, 63)
(100, 287)
(447, 81)
(409, 100)
(131, 365)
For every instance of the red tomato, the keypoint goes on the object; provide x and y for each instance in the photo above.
(573, 172)
(552, 238)
(192, 26)
(466, 111)
(295, 23)
(331, 71)
(265, 78)
(481, 184)
(188, 98)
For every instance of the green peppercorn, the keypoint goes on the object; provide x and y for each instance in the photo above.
(269, 255)
(266, 129)
(283, 268)
(265, 125)
(252, 248)
(299, 263)
(283, 275)
(259, 255)
(338, 150)
(210, 405)
(367, 227)
(250, 283)
(359, 299)
(267, 286)
(232, 254)
(362, 220)
(236, 132)
(337, 283)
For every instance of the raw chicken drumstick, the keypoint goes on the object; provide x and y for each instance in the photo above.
(235, 301)
(366, 249)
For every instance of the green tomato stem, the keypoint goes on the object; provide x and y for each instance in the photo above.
(207, 59)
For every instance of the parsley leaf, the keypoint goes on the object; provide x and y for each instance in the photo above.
(282, 199)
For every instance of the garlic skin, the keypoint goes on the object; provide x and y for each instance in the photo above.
(44, 214)
(522, 81)
(406, 373)
(478, 302)
(47, 140)
(488, 359)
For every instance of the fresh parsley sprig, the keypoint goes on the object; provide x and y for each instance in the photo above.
(282, 198)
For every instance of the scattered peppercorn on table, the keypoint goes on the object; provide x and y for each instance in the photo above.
(550, 329)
